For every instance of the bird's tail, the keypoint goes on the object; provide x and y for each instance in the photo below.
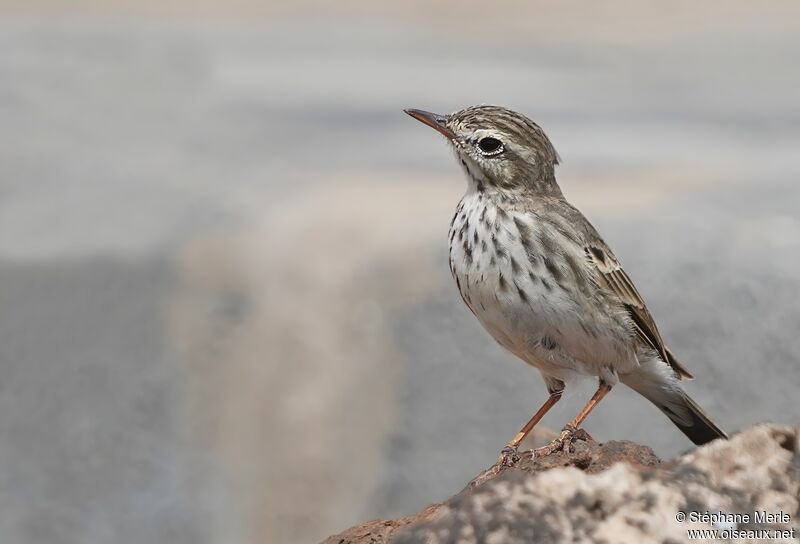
(653, 381)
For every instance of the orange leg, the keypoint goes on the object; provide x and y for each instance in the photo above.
(537, 417)
(601, 392)
(509, 455)
(571, 430)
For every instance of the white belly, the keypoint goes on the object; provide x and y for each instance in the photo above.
(520, 304)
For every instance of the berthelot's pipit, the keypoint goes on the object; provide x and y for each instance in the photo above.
(542, 281)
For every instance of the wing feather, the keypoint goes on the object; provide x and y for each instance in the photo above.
(613, 278)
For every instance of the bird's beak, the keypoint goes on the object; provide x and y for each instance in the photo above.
(433, 120)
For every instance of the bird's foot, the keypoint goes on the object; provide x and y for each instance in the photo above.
(570, 434)
(509, 456)
(563, 443)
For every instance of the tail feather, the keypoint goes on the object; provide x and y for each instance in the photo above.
(700, 429)
(656, 383)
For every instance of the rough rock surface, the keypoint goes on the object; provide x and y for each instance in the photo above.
(617, 492)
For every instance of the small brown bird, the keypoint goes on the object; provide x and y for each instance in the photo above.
(542, 281)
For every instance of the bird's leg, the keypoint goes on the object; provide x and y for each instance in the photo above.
(572, 431)
(601, 392)
(509, 454)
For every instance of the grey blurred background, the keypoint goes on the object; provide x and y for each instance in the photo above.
(227, 315)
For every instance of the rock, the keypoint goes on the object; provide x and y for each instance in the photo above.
(592, 457)
(379, 531)
(618, 492)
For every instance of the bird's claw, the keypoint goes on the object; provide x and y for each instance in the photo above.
(563, 443)
(569, 434)
(509, 456)
(577, 434)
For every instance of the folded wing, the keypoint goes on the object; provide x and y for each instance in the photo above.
(613, 278)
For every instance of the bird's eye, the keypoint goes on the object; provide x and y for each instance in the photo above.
(490, 146)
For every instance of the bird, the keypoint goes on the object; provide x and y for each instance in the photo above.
(543, 282)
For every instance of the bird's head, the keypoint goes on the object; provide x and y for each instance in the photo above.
(499, 149)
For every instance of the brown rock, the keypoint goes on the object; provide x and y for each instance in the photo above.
(378, 531)
(616, 492)
(592, 457)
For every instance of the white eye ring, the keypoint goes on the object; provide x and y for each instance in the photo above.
(489, 146)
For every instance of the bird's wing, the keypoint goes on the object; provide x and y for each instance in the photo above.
(613, 278)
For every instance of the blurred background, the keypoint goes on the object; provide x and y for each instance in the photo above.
(227, 315)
